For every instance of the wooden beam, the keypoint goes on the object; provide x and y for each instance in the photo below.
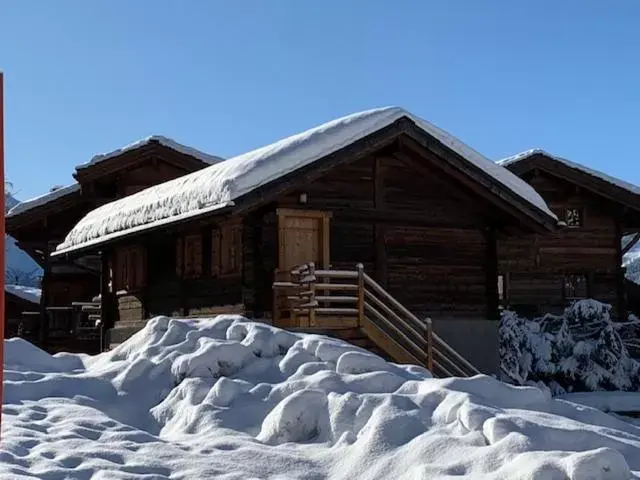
(379, 229)
(620, 271)
(491, 269)
(632, 243)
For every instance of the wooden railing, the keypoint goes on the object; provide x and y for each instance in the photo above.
(322, 298)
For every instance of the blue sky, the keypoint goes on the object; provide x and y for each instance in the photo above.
(225, 77)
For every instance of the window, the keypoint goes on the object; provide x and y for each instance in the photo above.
(576, 287)
(130, 271)
(189, 256)
(573, 217)
(226, 250)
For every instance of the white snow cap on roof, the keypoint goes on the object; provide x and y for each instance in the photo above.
(43, 199)
(576, 166)
(30, 294)
(167, 142)
(219, 185)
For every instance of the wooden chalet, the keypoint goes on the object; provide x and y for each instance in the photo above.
(545, 273)
(17, 300)
(38, 225)
(419, 210)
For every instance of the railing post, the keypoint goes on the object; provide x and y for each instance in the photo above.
(312, 296)
(429, 345)
(360, 270)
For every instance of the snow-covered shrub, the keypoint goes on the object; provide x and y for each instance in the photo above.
(580, 350)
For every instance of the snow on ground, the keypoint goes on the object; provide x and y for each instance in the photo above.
(30, 294)
(619, 402)
(227, 398)
(217, 186)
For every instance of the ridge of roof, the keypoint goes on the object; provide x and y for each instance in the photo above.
(220, 184)
(518, 157)
(162, 140)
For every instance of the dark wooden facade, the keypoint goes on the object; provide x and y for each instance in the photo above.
(39, 229)
(545, 273)
(423, 223)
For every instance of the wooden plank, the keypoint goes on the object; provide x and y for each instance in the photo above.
(383, 341)
(491, 269)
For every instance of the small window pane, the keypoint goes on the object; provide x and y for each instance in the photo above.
(573, 217)
(575, 287)
(501, 288)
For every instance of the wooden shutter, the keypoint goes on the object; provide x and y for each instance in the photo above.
(193, 256)
(179, 254)
(216, 266)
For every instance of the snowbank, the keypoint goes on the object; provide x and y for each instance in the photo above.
(30, 294)
(231, 399)
(618, 402)
(219, 185)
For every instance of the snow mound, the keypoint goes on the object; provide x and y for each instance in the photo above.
(217, 186)
(228, 398)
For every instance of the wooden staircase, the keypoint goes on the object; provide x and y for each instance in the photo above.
(350, 305)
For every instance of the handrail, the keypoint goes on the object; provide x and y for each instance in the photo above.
(372, 303)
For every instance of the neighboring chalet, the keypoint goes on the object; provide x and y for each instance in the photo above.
(544, 273)
(418, 208)
(38, 225)
(19, 299)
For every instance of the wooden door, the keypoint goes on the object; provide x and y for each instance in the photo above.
(303, 237)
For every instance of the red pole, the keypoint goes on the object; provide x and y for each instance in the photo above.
(2, 245)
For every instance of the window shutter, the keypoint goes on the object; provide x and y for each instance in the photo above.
(188, 257)
(216, 266)
(237, 248)
(141, 267)
(179, 257)
(197, 255)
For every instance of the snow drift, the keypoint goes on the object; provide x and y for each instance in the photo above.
(227, 398)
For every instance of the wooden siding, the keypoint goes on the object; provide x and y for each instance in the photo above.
(419, 235)
(536, 265)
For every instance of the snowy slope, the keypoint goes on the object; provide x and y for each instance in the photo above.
(231, 399)
(219, 185)
(20, 267)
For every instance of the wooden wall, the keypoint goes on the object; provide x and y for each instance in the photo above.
(418, 235)
(536, 265)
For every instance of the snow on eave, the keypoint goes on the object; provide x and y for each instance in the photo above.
(576, 166)
(43, 199)
(30, 294)
(165, 141)
(226, 181)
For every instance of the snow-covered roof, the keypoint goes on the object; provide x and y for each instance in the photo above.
(43, 199)
(220, 184)
(30, 294)
(167, 142)
(576, 166)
